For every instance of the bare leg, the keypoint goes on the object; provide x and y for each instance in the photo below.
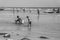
(29, 26)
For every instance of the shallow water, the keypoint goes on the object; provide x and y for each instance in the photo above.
(48, 25)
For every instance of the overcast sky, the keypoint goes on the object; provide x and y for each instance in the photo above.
(29, 3)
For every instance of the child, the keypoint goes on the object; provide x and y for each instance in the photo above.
(18, 20)
(29, 22)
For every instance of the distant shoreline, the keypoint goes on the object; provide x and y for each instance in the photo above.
(30, 7)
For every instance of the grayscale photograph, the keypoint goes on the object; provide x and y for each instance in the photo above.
(29, 19)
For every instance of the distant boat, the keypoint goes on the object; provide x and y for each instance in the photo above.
(49, 11)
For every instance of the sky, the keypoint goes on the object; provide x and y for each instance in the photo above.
(29, 3)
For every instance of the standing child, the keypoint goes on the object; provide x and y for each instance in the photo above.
(29, 22)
